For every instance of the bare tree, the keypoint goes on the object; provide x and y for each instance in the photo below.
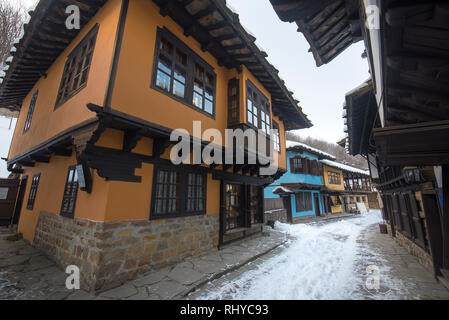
(11, 19)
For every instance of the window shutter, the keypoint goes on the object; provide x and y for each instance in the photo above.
(292, 166)
(306, 165)
(419, 230)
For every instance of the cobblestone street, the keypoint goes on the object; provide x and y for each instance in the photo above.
(26, 274)
(401, 276)
(233, 273)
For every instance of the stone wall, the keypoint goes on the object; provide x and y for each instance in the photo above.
(109, 253)
(276, 215)
(424, 257)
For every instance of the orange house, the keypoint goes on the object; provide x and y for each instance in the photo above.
(98, 107)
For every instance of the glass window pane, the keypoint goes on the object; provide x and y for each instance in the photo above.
(164, 64)
(180, 76)
(178, 89)
(208, 106)
(163, 80)
(198, 100)
(209, 94)
(198, 87)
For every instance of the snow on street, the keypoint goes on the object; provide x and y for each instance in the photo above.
(322, 261)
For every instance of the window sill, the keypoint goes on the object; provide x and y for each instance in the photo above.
(173, 216)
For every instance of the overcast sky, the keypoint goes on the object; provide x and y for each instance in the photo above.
(320, 90)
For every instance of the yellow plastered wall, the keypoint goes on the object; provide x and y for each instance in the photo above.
(50, 192)
(339, 187)
(46, 121)
(133, 93)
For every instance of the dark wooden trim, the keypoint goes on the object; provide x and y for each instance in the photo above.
(234, 83)
(92, 34)
(116, 57)
(106, 161)
(435, 231)
(33, 188)
(445, 217)
(70, 215)
(189, 69)
(184, 171)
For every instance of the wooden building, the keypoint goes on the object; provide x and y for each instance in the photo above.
(400, 119)
(298, 192)
(97, 108)
(344, 187)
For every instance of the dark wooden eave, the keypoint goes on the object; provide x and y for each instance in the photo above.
(219, 31)
(423, 144)
(360, 115)
(330, 26)
(45, 38)
(415, 47)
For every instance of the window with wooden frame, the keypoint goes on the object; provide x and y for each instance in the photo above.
(70, 193)
(276, 137)
(233, 102)
(334, 177)
(177, 192)
(195, 192)
(234, 215)
(76, 70)
(303, 201)
(255, 203)
(297, 165)
(181, 74)
(167, 197)
(30, 112)
(33, 191)
(258, 111)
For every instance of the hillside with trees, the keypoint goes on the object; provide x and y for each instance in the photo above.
(334, 149)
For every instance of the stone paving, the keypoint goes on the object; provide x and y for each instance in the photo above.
(25, 273)
(401, 275)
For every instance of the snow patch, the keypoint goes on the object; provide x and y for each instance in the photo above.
(344, 167)
(292, 144)
(320, 263)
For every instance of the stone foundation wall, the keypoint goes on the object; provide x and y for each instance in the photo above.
(109, 253)
(276, 215)
(424, 258)
(304, 218)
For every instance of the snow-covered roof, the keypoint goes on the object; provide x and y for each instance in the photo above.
(292, 144)
(283, 189)
(344, 167)
(367, 83)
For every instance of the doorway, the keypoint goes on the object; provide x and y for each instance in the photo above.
(8, 196)
(316, 199)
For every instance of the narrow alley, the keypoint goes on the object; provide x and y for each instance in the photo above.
(329, 260)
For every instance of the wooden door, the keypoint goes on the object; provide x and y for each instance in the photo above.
(316, 199)
(288, 207)
(19, 202)
(8, 196)
(434, 228)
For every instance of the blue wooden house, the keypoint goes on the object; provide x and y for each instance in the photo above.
(298, 190)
